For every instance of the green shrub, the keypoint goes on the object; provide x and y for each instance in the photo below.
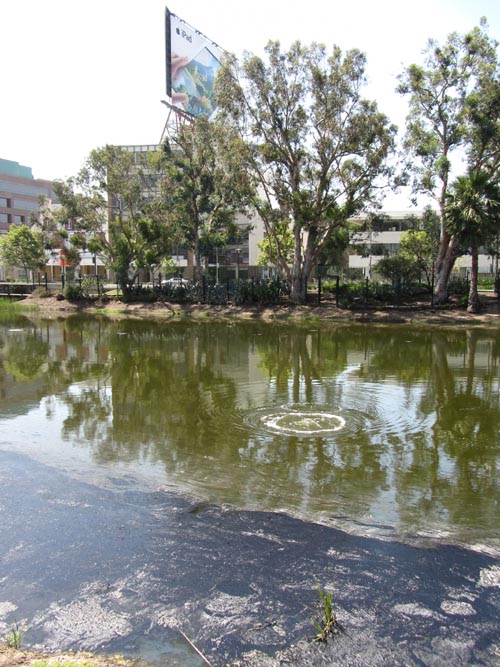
(89, 286)
(41, 292)
(73, 292)
(457, 286)
(486, 282)
(261, 291)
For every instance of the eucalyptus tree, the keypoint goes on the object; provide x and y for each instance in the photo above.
(473, 217)
(205, 185)
(114, 201)
(453, 112)
(316, 149)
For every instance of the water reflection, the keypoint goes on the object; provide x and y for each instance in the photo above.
(398, 427)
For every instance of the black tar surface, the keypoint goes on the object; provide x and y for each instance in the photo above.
(116, 570)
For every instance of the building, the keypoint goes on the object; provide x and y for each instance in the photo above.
(19, 197)
(381, 236)
(19, 193)
(234, 260)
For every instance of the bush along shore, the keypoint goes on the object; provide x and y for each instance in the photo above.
(324, 309)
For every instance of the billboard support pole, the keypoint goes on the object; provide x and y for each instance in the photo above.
(176, 118)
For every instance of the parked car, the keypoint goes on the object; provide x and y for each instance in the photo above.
(176, 281)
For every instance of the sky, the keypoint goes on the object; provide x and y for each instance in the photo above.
(77, 76)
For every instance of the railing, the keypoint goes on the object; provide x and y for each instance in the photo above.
(16, 290)
(237, 292)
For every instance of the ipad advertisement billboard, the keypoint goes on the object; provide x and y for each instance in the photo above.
(192, 64)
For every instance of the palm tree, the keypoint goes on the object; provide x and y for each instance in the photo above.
(473, 216)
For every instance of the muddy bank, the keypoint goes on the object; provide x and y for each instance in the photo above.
(451, 314)
(121, 570)
(10, 657)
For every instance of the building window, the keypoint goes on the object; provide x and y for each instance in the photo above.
(4, 217)
(19, 219)
(5, 202)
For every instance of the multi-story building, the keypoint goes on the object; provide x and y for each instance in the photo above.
(237, 259)
(382, 236)
(19, 197)
(19, 193)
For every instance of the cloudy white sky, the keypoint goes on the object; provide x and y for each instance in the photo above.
(76, 76)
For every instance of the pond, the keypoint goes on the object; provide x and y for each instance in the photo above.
(391, 430)
(206, 476)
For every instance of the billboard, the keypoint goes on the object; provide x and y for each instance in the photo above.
(192, 63)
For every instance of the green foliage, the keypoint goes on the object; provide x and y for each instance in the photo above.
(487, 283)
(473, 209)
(316, 146)
(168, 266)
(73, 291)
(327, 622)
(453, 106)
(399, 269)
(473, 217)
(89, 286)
(8, 306)
(277, 247)
(262, 291)
(42, 293)
(22, 248)
(418, 247)
(14, 637)
(136, 235)
(205, 185)
(333, 254)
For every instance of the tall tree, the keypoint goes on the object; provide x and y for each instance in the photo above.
(316, 148)
(114, 200)
(205, 185)
(22, 248)
(452, 109)
(473, 217)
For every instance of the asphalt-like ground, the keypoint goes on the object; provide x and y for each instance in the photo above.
(122, 570)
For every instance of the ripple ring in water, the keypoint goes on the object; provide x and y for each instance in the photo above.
(289, 420)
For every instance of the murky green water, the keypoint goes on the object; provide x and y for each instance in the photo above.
(390, 429)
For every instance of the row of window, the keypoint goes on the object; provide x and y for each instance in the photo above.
(16, 219)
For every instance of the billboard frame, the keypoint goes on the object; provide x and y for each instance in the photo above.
(190, 80)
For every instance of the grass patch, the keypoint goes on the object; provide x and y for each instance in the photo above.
(14, 637)
(9, 305)
(326, 625)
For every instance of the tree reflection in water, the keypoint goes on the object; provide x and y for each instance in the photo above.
(420, 448)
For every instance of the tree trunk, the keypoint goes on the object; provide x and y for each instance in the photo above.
(304, 262)
(298, 287)
(474, 304)
(298, 291)
(444, 267)
(197, 259)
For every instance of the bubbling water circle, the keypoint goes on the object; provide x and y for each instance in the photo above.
(297, 421)
(304, 423)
